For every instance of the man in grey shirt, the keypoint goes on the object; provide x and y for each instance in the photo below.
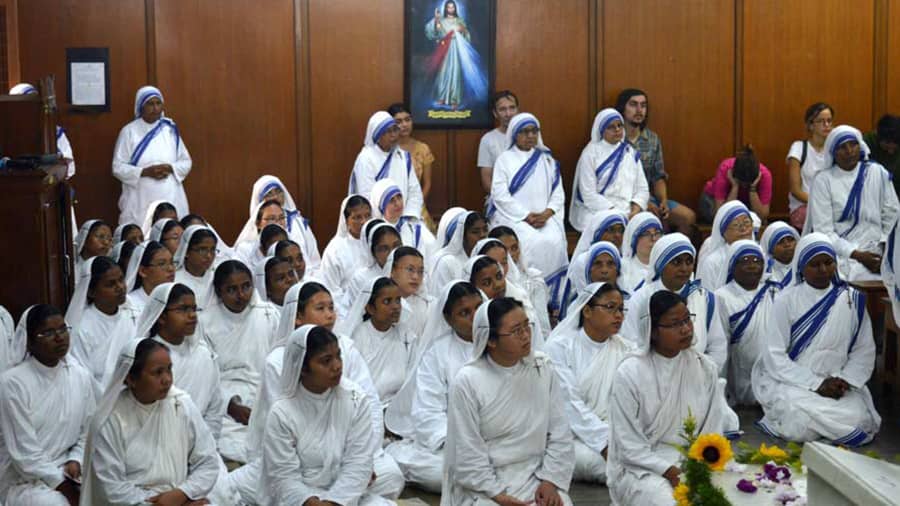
(505, 106)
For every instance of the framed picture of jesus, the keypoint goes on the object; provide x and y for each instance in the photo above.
(449, 62)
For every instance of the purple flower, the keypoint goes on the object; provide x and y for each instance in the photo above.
(775, 473)
(746, 486)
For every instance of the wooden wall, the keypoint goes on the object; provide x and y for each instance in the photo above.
(286, 86)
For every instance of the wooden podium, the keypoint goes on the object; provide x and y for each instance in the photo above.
(36, 258)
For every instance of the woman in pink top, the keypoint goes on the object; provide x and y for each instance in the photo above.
(741, 178)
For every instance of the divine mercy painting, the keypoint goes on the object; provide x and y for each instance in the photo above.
(449, 62)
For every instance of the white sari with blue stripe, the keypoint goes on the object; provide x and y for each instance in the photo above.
(527, 182)
(814, 334)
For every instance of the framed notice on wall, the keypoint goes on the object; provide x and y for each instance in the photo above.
(87, 75)
(449, 62)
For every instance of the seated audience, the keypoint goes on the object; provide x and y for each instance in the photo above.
(883, 143)
(741, 178)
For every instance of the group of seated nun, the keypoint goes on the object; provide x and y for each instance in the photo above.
(482, 362)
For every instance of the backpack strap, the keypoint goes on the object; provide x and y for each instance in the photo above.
(803, 154)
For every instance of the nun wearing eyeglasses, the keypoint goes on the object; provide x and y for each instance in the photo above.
(746, 305)
(508, 438)
(380, 158)
(653, 390)
(586, 349)
(641, 233)
(150, 159)
(818, 355)
(45, 406)
(528, 195)
(732, 222)
(853, 203)
(672, 258)
(609, 174)
(271, 188)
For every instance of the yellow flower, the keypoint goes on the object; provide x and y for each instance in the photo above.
(773, 453)
(681, 495)
(711, 449)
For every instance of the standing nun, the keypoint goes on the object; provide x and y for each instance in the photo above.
(528, 196)
(241, 329)
(150, 159)
(609, 174)
(45, 407)
(346, 252)
(507, 438)
(853, 203)
(778, 242)
(586, 349)
(148, 442)
(653, 391)
(641, 233)
(381, 158)
(271, 188)
(818, 356)
(389, 206)
(732, 222)
(194, 260)
(673, 264)
(746, 306)
(318, 443)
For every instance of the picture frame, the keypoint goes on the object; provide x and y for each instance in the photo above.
(449, 62)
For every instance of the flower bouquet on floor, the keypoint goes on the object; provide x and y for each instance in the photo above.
(703, 455)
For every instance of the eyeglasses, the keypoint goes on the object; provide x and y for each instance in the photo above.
(824, 121)
(204, 251)
(414, 272)
(185, 309)
(652, 234)
(744, 224)
(50, 334)
(103, 237)
(274, 219)
(750, 259)
(611, 308)
(521, 331)
(687, 322)
(162, 265)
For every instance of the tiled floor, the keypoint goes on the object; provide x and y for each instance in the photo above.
(886, 444)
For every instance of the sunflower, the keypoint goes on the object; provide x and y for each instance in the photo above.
(773, 453)
(681, 495)
(711, 449)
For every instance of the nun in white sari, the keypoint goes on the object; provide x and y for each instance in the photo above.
(603, 226)
(653, 392)
(379, 159)
(155, 211)
(507, 432)
(732, 222)
(389, 480)
(672, 258)
(745, 306)
(101, 323)
(410, 276)
(151, 142)
(609, 174)
(241, 335)
(346, 252)
(247, 246)
(419, 411)
(447, 263)
(271, 188)
(581, 272)
(202, 284)
(375, 325)
(643, 230)
(585, 357)
(139, 449)
(380, 239)
(811, 378)
(776, 271)
(527, 195)
(388, 204)
(889, 274)
(45, 406)
(318, 443)
(12, 342)
(852, 202)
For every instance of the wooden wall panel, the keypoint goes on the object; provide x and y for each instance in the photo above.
(354, 71)
(10, 44)
(893, 56)
(792, 59)
(46, 28)
(239, 120)
(682, 55)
